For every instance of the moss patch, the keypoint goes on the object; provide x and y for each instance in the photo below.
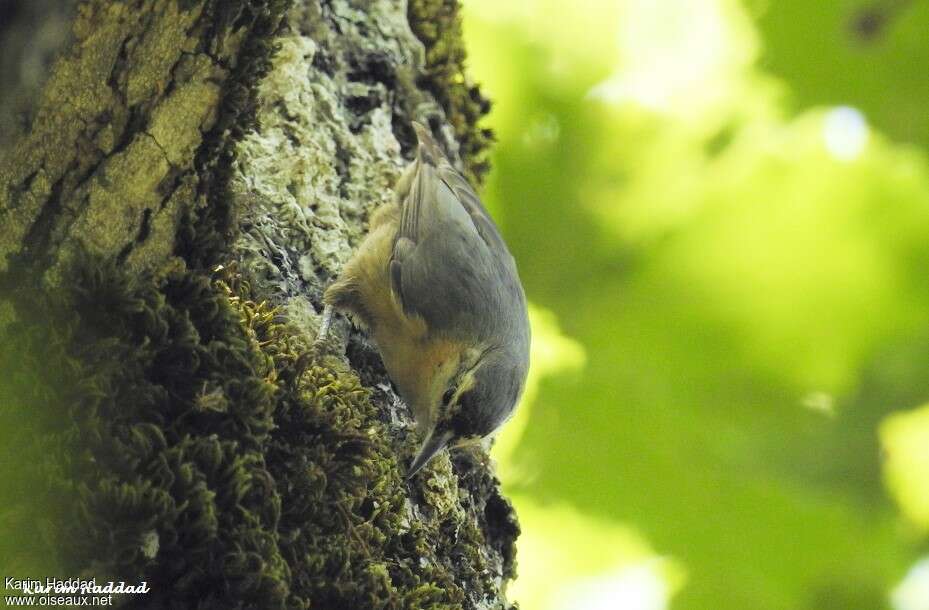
(437, 23)
(170, 441)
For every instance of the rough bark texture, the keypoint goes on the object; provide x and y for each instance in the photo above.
(173, 199)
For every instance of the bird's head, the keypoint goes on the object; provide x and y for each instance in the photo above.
(477, 399)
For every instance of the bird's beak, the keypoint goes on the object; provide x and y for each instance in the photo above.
(431, 446)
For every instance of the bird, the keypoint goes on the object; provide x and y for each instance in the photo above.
(436, 289)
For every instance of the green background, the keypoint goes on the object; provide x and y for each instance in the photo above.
(720, 211)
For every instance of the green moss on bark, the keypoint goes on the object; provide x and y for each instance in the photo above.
(437, 23)
(187, 454)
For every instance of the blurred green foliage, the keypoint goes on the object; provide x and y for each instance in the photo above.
(743, 265)
(869, 54)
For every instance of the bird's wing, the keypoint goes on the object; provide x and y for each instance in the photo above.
(447, 252)
(471, 203)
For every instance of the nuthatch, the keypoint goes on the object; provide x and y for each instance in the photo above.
(437, 289)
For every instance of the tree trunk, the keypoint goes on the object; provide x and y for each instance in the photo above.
(177, 190)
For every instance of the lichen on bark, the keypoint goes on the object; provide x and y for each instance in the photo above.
(107, 164)
(166, 265)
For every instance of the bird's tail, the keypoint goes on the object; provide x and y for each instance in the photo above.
(428, 151)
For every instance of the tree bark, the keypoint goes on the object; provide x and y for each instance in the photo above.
(176, 192)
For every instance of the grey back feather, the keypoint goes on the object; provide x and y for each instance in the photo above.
(450, 265)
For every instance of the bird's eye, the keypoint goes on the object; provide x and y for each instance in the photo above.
(449, 394)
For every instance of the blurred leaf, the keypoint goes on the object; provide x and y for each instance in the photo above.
(556, 546)
(747, 281)
(905, 438)
(865, 53)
